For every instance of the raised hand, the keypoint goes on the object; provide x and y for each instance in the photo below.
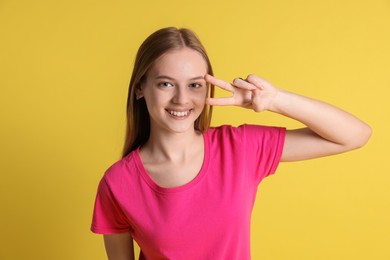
(252, 93)
(329, 130)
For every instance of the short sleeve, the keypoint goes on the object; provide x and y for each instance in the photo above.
(263, 149)
(108, 218)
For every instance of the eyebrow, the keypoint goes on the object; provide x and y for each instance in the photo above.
(170, 78)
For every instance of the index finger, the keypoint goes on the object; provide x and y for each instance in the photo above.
(219, 83)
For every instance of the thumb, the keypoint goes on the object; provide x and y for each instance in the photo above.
(256, 100)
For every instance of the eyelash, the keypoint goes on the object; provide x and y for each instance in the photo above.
(196, 85)
(165, 84)
(168, 84)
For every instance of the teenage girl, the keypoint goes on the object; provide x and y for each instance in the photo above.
(183, 190)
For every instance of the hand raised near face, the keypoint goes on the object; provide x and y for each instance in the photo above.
(252, 93)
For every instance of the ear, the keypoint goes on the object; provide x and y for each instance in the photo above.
(139, 93)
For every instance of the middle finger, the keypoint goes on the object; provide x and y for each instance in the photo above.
(240, 83)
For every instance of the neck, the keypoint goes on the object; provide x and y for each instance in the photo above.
(175, 147)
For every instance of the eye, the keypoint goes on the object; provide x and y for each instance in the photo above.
(195, 85)
(165, 84)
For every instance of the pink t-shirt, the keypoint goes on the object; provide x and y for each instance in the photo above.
(207, 218)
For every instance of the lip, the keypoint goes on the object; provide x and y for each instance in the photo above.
(179, 113)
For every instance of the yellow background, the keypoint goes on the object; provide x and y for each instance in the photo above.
(64, 73)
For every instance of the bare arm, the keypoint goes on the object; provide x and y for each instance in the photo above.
(329, 130)
(119, 246)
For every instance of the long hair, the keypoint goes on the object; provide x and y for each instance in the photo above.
(158, 43)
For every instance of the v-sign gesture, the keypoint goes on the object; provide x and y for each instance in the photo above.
(253, 93)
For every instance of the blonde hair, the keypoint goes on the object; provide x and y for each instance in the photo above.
(158, 43)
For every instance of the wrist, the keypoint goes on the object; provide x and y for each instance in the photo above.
(279, 101)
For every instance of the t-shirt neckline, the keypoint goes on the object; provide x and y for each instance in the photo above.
(152, 184)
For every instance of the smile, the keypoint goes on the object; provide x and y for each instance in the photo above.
(179, 113)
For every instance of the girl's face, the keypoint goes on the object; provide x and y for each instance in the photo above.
(175, 90)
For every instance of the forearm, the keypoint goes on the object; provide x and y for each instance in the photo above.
(327, 121)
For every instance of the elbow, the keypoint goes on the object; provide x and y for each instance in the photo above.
(361, 136)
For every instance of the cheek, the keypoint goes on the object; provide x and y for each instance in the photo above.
(202, 95)
(200, 99)
(152, 97)
(152, 104)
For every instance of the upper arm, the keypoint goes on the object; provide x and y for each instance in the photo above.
(119, 246)
(303, 144)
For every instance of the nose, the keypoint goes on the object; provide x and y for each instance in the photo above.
(181, 95)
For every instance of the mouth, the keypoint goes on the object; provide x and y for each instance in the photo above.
(179, 114)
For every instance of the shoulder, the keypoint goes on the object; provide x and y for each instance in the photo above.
(224, 130)
(243, 130)
(121, 169)
(246, 135)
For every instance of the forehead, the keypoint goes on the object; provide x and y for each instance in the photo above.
(178, 64)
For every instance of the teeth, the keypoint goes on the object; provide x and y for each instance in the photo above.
(175, 113)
